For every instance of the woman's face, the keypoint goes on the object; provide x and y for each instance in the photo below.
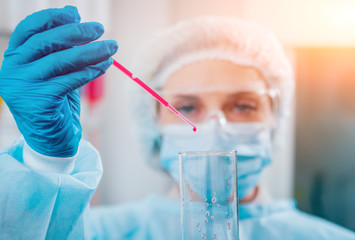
(203, 88)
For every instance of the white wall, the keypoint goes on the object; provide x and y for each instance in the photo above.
(126, 175)
(306, 23)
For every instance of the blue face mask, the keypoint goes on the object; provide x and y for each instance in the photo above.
(251, 140)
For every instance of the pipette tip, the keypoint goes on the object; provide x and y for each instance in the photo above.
(194, 129)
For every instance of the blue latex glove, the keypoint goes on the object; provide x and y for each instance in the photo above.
(42, 70)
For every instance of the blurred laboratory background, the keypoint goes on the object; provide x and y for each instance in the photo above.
(314, 159)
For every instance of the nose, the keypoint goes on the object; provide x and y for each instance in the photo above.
(217, 115)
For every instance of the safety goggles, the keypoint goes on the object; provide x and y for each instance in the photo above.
(224, 104)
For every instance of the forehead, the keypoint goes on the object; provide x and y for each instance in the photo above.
(215, 73)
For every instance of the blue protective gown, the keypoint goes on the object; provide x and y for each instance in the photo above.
(42, 205)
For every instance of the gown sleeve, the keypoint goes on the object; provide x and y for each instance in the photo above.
(38, 204)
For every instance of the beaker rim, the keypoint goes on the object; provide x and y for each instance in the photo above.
(207, 152)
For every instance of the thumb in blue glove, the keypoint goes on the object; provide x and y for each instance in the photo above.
(42, 70)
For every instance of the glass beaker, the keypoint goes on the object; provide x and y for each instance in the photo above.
(208, 191)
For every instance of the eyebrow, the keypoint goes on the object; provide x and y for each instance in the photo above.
(233, 95)
(187, 97)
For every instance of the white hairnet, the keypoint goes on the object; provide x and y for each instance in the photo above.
(202, 38)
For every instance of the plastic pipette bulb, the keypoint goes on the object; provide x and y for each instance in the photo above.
(153, 93)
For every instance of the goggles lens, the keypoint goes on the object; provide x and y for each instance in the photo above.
(229, 106)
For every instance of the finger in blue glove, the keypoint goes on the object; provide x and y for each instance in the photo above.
(42, 71)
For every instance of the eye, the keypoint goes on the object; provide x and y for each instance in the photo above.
(245, 106)
(187, 109)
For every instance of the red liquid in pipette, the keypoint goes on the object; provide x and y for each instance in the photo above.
(153, 93)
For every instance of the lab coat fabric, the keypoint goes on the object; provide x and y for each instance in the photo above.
(44, 205)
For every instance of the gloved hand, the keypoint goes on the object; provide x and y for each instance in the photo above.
(42, 70)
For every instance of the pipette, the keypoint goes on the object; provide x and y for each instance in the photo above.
(153, 93)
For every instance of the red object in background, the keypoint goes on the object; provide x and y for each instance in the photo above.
(94, 91)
